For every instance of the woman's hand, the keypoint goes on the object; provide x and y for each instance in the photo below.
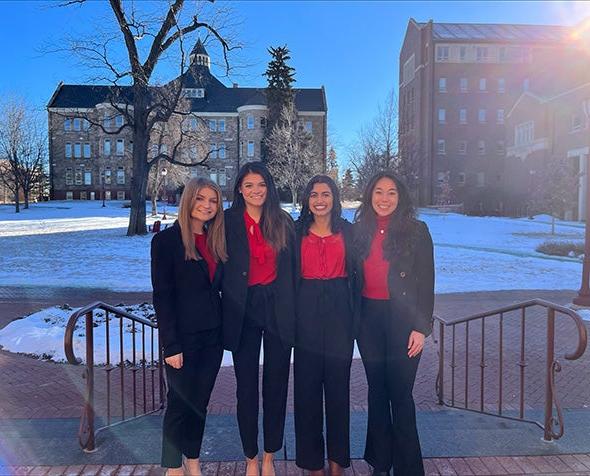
(174, 361)
(415, 343)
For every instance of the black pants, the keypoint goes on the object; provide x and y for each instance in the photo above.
(260, 321)
(189, 389)
(323, 354)
(392, 437)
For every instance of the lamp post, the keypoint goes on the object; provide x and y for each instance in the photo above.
(583, 297)
(102, 187)
(164, 173)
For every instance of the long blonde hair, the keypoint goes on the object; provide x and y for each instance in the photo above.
(215, 227)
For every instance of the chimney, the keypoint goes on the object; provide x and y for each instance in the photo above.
(235, 85)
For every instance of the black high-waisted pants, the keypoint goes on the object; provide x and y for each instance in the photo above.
(392, 437)
(189, 389)
(260, 324)
(323, 354)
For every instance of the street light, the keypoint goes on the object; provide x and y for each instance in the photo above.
(164, 173)
(583, 297)
(102, 185)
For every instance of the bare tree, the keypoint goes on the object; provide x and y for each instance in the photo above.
(164, 174)
(294, 159)
(144, 104)
(22, 143)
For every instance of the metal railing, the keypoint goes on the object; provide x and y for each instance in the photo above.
(141, 360)
(478, 324)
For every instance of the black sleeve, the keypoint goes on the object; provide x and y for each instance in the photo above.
(163, 296)
(425, 275)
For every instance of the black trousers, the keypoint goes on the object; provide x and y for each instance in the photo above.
(323, 355)
(392, 437)
(189, 389)
(260, 325)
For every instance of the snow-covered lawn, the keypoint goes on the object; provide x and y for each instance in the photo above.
(81, 244)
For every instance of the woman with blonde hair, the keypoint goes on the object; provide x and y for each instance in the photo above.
(186, 276)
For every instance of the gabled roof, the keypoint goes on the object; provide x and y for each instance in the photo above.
(199, 49)
(499, 32)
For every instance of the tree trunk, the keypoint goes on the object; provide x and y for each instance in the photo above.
(552, 224)
(154, 204)
(293, 195)
(26, 195)
(16, 198)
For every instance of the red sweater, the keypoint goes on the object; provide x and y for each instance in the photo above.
(323, 257)
(203, 249)
(263, 258)
(375, 266)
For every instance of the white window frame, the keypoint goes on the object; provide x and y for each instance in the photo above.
(442, 85)
(78, 176)
(250, 148)
(69, 195)
(69, 176)
(501, 85)
(441, 147)
(212, 150)
(68, 150)
(108, 176)
(212, 125)
(442, 116)
(222, 151)
(87, 150)
(120, 176)
(442, 53)
(500, 147)
(463, 147)
(482, 54)
(250, 122)
(121, 195)
(67, 124)
(119, 120)
(483, 85)
(77, 150)
(461, 178)
(463, 85)
(120, 147)
(221, 125)
(462, 53)
(524, 133)
(482, 116)
(106, 148)
(500, 116)
(87, 177)
(481, 147)
(77, 124)
(463, 116)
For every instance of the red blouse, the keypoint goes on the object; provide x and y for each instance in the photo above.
(263, 258)
(375, 266)
(323, 257)
(203, 249)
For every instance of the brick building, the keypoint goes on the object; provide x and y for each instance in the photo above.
(84, 159)
(457, 82)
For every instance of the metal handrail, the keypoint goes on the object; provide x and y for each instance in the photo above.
(552, 365)
(87, 430)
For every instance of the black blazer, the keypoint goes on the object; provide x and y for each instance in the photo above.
(411, 283)
(184, 298)
(235, 283)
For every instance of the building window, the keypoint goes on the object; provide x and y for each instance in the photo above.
(442, 85)
(120, 176)
(501, 85)
(85, 124)
(524, 133)
(222, 151)
(442, 53)
(463, 85)
(500, 148)
(481, 116)
(481, 179)
(502, 54)
(77, 150)
(441, 147)
(120, 147)
(212, 125)
(67, 124)
(463, 147)
(308, 126)
(107, 148)
(87, 151)
(263, 122)
(442, 116)
(250, 148)
(482, 53)
(120, 195)
(222, 178)
(119, 120)
(194, 92)
(69, 177)
(500, 116)
(193, 124)
(461, 179)
(213, 175)
(107, 195)
(250, 122)
(106, 122)
(77, 124)
(463, 116)
(221, 125)
(576, 122)
(87, 178)
(212, 151)
(463, 53)
(526, 84)
(68, 150)
(481, 147)
(83, 195)
(441, 178)
(482, 84)
(409, 70)
(78, 177)
(107, 176)
(69, 195)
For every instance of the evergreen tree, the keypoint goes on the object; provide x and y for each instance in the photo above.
(348, 188)
(280, 77)
(332, 165)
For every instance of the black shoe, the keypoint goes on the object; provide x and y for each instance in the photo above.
(381, 473)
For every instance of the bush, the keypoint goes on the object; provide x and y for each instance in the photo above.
(561, 248)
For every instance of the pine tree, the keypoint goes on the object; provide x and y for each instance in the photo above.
(348, 188)
(280, 77)
(332, 165)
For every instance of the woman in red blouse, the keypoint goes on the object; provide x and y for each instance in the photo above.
(396, 282)
(186, 275)
(258, 306)
(324, 337)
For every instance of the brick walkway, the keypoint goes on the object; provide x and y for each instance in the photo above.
(578, 464)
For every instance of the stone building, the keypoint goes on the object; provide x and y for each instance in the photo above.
(457, 82)
(85, 162)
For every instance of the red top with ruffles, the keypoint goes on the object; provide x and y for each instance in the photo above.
(263, 258)
(375, 266)
(203, 249)
(323, 257)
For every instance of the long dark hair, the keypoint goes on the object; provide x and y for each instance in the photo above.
(306, 217)
(402, 225)
(274, 221)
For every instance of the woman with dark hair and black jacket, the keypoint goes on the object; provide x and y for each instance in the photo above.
(186, 275)
(324, 332)
(258, 305)
(396, 282)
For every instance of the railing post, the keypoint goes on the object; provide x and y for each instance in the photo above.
(89, 407)
(441, 364)
(548, 372)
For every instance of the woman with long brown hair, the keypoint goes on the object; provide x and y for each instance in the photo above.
(396, 270)
(258, 305)
(186, 275)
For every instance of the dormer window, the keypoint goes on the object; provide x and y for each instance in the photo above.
(194, 92)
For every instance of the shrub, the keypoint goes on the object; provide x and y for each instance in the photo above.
(561, 248)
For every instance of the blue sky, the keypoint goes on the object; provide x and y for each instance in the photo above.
(351, 48)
